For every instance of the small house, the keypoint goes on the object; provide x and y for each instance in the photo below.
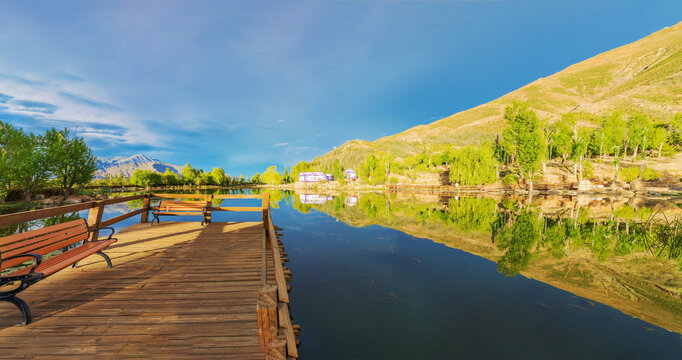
(315, 199)
(350, 174)
(312, 176)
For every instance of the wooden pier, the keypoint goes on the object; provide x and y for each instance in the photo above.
(177, 289)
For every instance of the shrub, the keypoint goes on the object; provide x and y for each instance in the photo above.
(650, 174)
(629, 174)
(510, 179)
(588, 170)
(393, 180)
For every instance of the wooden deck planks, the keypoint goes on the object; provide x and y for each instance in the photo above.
(176, 290)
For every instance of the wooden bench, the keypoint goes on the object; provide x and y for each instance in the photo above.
(31, 256)
(180, 208)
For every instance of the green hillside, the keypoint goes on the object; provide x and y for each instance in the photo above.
(643, 77)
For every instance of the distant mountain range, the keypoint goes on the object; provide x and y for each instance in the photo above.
(126, 166)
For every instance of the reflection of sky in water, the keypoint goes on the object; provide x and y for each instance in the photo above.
(373, 292)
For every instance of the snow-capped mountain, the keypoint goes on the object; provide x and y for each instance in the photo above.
(126, 166)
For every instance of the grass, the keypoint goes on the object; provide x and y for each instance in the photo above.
(586, 82)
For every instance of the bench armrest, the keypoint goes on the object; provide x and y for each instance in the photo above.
(38, 259)
(110, 229)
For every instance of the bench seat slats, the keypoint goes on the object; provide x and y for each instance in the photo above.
(179, 212)
(47, 242)
(29, 245)
(179, 208)
(46, 230)
(65, 259)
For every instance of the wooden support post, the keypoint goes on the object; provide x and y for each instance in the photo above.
(266, 209)
(266, 308)
(145, 207)
(277, 349)
(95, 218)
(209, 204)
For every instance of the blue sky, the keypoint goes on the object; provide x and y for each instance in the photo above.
(246, 84)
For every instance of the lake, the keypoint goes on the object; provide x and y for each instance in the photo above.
(379, 275)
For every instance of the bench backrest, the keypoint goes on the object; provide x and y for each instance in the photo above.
(169, 206)
(41, 241)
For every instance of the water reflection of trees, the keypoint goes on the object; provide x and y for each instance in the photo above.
(522, 232)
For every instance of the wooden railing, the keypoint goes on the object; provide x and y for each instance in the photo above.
(96, 209)
(276, 331)
(94, 215)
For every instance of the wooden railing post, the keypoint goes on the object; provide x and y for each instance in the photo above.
(266, 209)
(145, 207)
(95, 218)
(209, 204)
(266, 308)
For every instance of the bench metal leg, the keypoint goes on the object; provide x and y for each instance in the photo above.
(106, 258)
(25, 310)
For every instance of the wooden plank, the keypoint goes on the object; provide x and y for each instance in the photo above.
(119, 218)
(145, 206)
(236, 208)
(236, 196)
(264, 260)
(119, 200)
(277, 259)
(20, 217)
(287, 327)
(179, 196)
(94, 219)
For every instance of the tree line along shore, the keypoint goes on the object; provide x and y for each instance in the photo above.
(616, 149)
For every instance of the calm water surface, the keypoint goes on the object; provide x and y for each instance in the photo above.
(364, 289)
(375, 292)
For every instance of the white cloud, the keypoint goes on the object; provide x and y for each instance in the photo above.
(281, 144)
(94, 117)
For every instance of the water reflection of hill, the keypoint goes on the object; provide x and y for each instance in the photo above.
(625, 253)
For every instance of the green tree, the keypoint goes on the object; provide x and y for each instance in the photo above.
(579, 148)
(659, 140)
(516, 241)
(271, 176)
(523, 139)
(473, 165)
(299, 168)
(285, 176)
(146, 178)
(639, 128)
(675, 132)
(170, 177)
(613, 133)
(189, 174)
(219, 177)
(255, 179)
(24, 159)
(69, 159)
(560, 143)
(337, 170)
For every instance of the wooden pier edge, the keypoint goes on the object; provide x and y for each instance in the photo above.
(285, 328)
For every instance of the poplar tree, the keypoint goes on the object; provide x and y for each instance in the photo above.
(523, 139)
